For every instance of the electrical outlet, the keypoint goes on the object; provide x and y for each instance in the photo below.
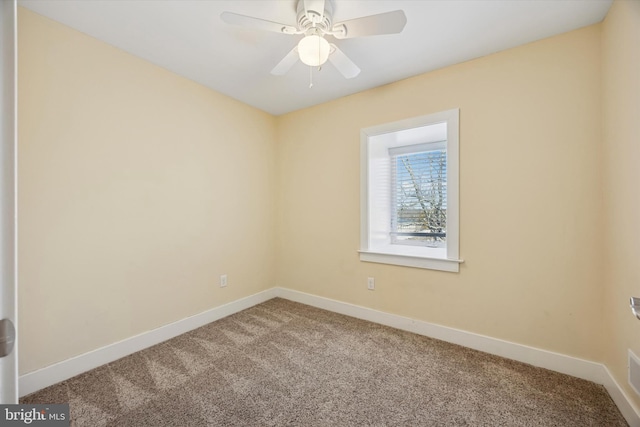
(223, 280)
(371, 283)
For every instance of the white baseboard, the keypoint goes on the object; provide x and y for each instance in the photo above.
(36, 380)
(630, 411)
(585, 369)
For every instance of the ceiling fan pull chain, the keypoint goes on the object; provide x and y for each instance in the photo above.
(319, 59)
(310, 77)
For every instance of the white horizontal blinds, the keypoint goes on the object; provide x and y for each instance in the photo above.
(419, 194)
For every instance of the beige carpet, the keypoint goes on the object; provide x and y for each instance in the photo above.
(282, 363)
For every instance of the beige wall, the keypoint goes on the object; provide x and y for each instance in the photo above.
(530, 218)
(137, 189)
(621, 154)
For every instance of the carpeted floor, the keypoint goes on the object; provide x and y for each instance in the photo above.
(282, 363)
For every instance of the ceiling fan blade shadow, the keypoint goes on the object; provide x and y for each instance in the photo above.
(287, 62)
(257, 23)
(383, 23)
(342, 63)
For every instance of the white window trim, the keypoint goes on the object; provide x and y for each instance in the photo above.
(430, 258)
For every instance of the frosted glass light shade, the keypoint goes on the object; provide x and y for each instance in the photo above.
(313, 50)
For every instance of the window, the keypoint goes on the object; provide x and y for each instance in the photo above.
(419, 194)
(409, 192)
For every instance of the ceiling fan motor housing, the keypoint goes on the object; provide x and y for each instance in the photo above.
(311, 18)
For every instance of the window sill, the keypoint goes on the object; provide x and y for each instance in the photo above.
(407, 260)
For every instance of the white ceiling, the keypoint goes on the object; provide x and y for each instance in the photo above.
(189, 38)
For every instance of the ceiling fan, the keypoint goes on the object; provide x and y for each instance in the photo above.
(315, 21)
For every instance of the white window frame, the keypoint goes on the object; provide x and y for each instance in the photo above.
(375, 197)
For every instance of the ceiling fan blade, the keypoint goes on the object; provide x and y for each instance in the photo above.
(286, 63)
(339, 60)
(257, 23)
(314, 10)
(384, 23)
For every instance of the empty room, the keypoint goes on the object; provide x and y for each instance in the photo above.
(320, 212)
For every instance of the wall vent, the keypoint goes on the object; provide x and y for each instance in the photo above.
(634, 371)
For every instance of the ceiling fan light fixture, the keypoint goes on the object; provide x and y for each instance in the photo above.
(313, 50)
